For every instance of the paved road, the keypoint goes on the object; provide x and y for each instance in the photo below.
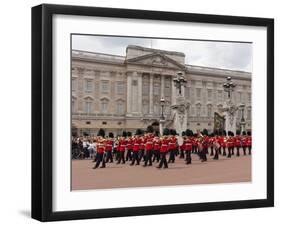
(224, 170)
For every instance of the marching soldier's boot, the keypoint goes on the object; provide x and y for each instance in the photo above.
(229, 153)
(212, 151)
(224, 152)
(238, 152)
(216, 157)
(250, 150)
(181, 154)
(244, 150)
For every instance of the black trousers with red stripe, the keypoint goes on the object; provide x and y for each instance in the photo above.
(148, 158)
(163, 160)
(135, 157)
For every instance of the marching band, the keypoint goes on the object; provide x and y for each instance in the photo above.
(149, 148)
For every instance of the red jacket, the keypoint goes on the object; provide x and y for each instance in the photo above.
(136, 145)
(164, 146)
(188, 146)
(100, 148)
(156, 145)
(122, 144)
(149, 145)
(108, 146)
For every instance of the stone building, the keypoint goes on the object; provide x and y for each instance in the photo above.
(122, 93)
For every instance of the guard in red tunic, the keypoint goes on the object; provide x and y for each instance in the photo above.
(182, 149)
(249, 144)
(201, 145)
(194, 145)
(129, 149)
(163, 152)
(238, 145)
(142, 148)
(108, 150)
(136, 148)
(122, 148)
(205, 145)
(230, 146)
(100, 154)
(223, 143)
(156, 149)
(172, 148)
(148, 152)
(188, 149)
(211, 141)
(244, 144)
(216, 145)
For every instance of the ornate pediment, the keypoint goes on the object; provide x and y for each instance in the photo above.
(156, 60)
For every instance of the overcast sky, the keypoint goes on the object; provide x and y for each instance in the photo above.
(229, 55)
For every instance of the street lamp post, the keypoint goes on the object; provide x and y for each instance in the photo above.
(229, 87)
(242, 122)
(230, 108)
(162, 117)
(179, 82)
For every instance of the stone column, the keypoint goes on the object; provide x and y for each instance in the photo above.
(151, 94)
(129, 93)
(162, 85)
(140, 92)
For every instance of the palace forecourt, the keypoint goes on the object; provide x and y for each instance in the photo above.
(224, 170)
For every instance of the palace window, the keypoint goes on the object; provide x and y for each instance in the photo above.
(145, 107)
(156, 109)
(156, 89)
(210, 95)
(249, 113)
(105, 86)
(239, 97)
(188, 110)
(198, 93)
(239, 116)
(88, 106)
(120, 88)
(88, 86)
(120, 107)
(135, 82)
(209, 110)
(187, 92)
(73, 105)
(249, 97)
(73, 84)
(220, 108)
(219, 96)
(104, 105)
(198, 110)
(167, 83)
(145, 88)
(167, 108)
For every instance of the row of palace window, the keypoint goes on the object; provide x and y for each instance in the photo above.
(221, 95)
(88, 86)
(120, 108)
(88, 106)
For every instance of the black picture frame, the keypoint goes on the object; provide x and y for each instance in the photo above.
(42, 111)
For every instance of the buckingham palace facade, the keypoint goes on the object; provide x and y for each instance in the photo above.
(122, 93)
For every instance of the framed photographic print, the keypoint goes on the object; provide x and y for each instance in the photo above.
(146, 112)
